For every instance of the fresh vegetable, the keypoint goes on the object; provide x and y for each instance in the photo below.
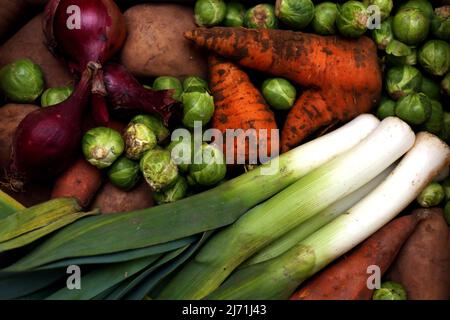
(385, 7)
(286, 210)
(8, 205)
(431, 196)
(209, 12)
(198, 108)
(440, 23)
(295, 13)
(182, 153)
(386, 108)
(352, 19)
(435, 121)
(434, 57)
(445, 84)
(324, 21)
(383, 35)
(22, 81)
(331, 93)
(80, 181)
(169, 83)
(155, 124)
(102, 146)
(422, 265)
(422, 5)
(11, 12)
(411, 26)
(158, 169)
(124, 173)
(138, 140)
(234, 16)
(390, 291)
(279, 93)
(403, 80)
(194, 84)
(399, 53)
(231, 87)
(430, 88)
(209, 166)
(261, 16)
(446, 185)
(173, 193)
(414, 108)
(53, 96)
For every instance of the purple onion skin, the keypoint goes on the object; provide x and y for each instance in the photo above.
(125, 92)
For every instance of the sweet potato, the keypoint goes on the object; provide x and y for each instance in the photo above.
(28, 42)
(422, 265)
(111, 199)
(155, 44)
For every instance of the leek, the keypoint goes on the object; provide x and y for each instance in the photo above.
(279, 277)
(292, 206)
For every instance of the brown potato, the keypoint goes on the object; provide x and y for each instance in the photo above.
(29, 43)
(156, 46)
(111, 199)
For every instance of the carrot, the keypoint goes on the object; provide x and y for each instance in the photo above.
(239, 105)
(343, 75)
(347, 278)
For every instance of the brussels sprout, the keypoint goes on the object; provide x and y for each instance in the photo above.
(234, 16)
(191, 181)
(399, 53)
(390, 290)
(386, 108)
(198, 106)
(124, 173)
(435, 122)
(446, 185)
(434, 57)
(295, 13)
(447, 212)
(195, 84)
(431, 196)
(209, 166)
(279, 93)
(169, 83)
(22, 81)
(411, 26)
(158, 169)
(102, 146)
(154, 123)
(53, 96)
(414, 108)
(385, 7)
(209, 12)
(445, 85)
(403, 80)
(422, 5)
(261, 16)
(383, 35)
(440, 23)
(352, 19)
(430, 88)
(173, 193)
(324, 21)
(182, 153)
(138, 140)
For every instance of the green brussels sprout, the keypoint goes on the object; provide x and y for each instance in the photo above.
(403, 80)
(422, 5)
(173, 193)
(195, 84)
(261, 16)
(430, 88)
(385, 7)
(197, 107)
(182, 153)
(158, 169)
(390, 291)
(431, 196)
(102, 146)
(414, 108)
(411, 26)
(169, 83)
(295, 13)
(53, 96)
(445, 84)
(209, 166)
(440, 23)
(209, 12)
(22, 81)
(124, 173)
(383, 35)
(324, 21)
(191, 181)
(435, 122)
(434, 57)
(234, 16)
(399, 53)
(352, 19)
(279, 93)
(154, 123)
(386, 108)
(446, 185)
(447, 212)
(138, 139)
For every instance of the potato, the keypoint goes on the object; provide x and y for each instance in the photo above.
(155, 45)
(29, 43)
(111, 199)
